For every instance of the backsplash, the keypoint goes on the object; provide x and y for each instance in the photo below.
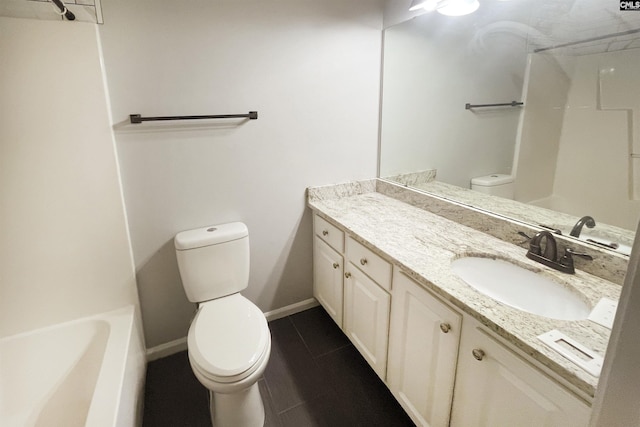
(330, 192)
(414, 178)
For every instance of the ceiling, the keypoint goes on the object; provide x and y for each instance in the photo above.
(598, 25)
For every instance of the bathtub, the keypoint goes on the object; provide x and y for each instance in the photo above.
(87, 372)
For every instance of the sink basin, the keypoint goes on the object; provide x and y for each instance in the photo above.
(520, 288)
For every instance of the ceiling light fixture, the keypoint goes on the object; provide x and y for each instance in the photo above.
(446, 7)
(458, 7)
(427, 5)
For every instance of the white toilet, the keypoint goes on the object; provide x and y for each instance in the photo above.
(229, 340)
(496, 184)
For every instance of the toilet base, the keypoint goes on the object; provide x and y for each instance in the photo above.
(239, 409)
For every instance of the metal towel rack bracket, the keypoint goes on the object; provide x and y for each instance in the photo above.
(137, 118)
(508, 104)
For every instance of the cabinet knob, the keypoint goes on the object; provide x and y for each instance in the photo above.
(363, 261)
(325, 232)
(336, 265)
(445, 327)
(347, 274)
(477, 353)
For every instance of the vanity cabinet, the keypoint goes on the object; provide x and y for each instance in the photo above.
(444, 367)
(423, 349)
(495, 387)
(367, 303)
(328, 267)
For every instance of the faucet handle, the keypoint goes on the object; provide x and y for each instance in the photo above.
(526, 236)
(570, 252)
(551, 229)
(567, 260)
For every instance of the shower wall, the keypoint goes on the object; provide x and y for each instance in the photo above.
(64, 245)
(545, 94)
(589, 138)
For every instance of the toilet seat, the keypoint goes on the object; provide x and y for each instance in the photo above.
(228, 339)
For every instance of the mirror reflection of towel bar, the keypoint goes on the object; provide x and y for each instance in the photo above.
(508, 104)
(137, 118)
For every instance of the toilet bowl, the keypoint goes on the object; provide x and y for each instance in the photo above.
(229, 346)
(229, 341)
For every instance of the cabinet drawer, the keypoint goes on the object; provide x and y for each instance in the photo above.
(329, 233)
(370, 263)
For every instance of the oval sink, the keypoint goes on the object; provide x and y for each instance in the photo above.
(520, 288)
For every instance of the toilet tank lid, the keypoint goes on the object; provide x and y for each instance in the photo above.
(493, 179)
(211, 235)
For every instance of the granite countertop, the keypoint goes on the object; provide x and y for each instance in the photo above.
(424, 245)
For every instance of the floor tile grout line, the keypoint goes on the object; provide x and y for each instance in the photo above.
(309, 349)
(301, 337)
(304, 402)
(327, 353)
(266, 383)
(335, 387)
(313, 360)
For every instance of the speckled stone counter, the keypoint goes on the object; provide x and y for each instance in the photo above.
(423, 245)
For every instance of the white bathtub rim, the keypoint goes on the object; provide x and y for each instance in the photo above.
(98, 316)
(103, 410)
(106, 400)
(30, 413)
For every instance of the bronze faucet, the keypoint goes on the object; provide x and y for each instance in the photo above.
(585, 220)
(548, 254)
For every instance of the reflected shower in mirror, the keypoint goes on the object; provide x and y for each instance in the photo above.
(570, 150)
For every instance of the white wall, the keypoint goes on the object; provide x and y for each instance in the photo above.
(64, 249)
(310, 68)
(433, 66)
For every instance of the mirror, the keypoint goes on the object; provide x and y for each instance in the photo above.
(571, 150)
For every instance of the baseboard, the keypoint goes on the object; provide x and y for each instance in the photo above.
(176, 346)
(288, 310)
(166, 349)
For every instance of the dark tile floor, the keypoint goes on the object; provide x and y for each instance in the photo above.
(315, 377)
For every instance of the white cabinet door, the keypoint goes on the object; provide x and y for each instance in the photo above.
(366, 317)
(327, 279)
(423, 349)
(496, 388)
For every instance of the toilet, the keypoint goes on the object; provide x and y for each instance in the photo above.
(229, 342)
(496, 184)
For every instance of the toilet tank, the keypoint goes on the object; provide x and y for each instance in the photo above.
(213, 261)
(496, 184)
